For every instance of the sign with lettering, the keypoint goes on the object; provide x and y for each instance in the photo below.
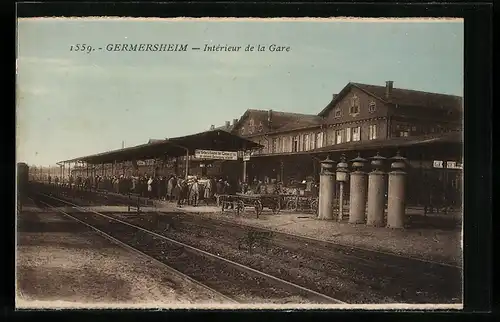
(217, 155)
(438, 164)
(148, 162)
(453, 165)
(246, 157)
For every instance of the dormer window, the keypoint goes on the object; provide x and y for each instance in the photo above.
(354, 105)
(337, 112)
(372, 107)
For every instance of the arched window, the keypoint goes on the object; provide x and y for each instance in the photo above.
(354, 105)
(372, 107)
(337, 112)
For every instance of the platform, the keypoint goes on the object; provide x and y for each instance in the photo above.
(63, 264)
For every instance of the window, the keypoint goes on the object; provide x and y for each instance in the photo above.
(330, 138)
(354, 105)
(313, 142)
(348, 134)
(295, 143)
(372, 132)
(261, 127)
(306, 142)
(337, 112)
(251, 126)
(275, 145)
(372, 107)
(356, 133)
(403, 133)
(319, 140)
(413, 128)
(339, 137)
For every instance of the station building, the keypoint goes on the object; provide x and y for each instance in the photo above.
(361, 119)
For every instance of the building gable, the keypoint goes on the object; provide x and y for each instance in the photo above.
(354, 104)
(253, 122)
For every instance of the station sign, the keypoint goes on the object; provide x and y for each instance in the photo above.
(447, 165)
(453, 165)
(215, 155)
(146, 162)
(438, 164)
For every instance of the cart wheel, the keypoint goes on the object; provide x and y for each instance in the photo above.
(241, 206)
(275, 208)
(258, 207)
(314, 206)
(291, 205)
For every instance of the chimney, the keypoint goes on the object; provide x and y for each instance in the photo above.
(228, 124)
(212, 127)
(388, 89)
(269, 118)
(235, 121)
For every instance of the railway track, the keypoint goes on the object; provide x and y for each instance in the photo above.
(161, 264)
(100, 198)
(346, 273)
(236, 281)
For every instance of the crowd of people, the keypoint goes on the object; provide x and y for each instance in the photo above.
(172, 188)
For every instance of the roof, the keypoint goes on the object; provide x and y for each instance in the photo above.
(208, 140)
(155, 140)
(282, 121)
(399, 142)
(401, 97)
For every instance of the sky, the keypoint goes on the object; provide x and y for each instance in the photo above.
(72, 104)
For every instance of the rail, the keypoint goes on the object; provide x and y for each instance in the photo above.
(292, 288)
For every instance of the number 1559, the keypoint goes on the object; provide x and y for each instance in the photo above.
(81, 47)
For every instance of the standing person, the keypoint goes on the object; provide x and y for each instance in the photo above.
(219, 190)
(314, 189)
(209, 190)
(230, 189)
(172, 183)
(150, 187)
(194, 192)
(182, 191)
(161, 188)
(133, 186)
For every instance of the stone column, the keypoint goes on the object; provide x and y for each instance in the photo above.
(396, 194)
(342, 178)
(326, 186)
(357, 200)
(376, 193)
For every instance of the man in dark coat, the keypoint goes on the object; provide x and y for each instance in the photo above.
(171, 185)
(181, 191)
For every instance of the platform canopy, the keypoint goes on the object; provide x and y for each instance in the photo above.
(219, 140)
